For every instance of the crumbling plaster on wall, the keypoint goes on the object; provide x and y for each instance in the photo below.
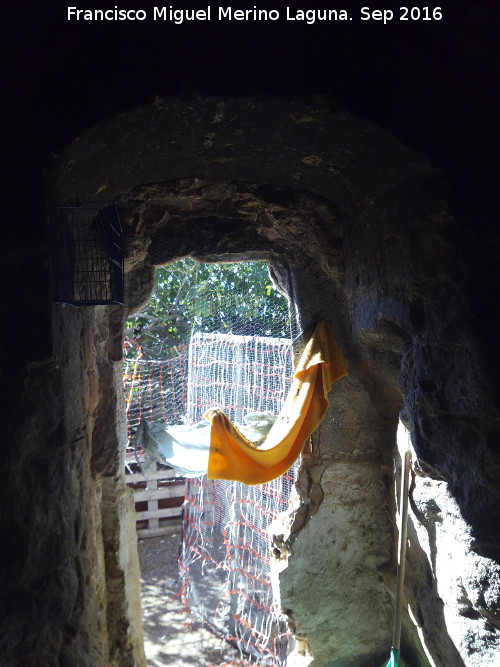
(332, 575)
(363, 223)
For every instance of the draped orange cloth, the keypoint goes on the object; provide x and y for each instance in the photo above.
(233, 457)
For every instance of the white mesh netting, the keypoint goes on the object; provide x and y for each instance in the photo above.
(225, 560)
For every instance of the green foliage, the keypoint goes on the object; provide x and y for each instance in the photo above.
(228, 298)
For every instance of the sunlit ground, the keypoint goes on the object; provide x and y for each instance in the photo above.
(171, 636)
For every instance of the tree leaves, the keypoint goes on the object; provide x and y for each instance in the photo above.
(189, 296)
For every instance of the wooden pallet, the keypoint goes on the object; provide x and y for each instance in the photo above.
(158, 500)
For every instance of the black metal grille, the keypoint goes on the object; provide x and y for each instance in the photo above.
(86, 254)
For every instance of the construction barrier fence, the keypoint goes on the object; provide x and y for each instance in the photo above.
(225, 561)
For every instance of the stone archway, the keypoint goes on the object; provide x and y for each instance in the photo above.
(362, 224)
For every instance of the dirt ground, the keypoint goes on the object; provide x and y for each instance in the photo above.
(171, 635)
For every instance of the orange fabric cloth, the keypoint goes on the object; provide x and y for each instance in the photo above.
(233, 457)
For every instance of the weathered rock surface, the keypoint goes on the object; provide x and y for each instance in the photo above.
(466, 583)
(72, 595)
(359, 230)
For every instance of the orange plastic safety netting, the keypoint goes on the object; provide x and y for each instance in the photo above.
(226, 566)
(225, 562)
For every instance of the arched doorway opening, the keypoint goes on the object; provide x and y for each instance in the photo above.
(347, 209)
(213, 335)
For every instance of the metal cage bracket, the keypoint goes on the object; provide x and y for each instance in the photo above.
(86, 253)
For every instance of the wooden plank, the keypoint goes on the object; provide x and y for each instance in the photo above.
(158, 514)
(156, 494)
(173, 527)
(153, 492)
(153, 522)
(154, 474)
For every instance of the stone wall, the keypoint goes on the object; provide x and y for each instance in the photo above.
(359, 230)
(72, 592)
